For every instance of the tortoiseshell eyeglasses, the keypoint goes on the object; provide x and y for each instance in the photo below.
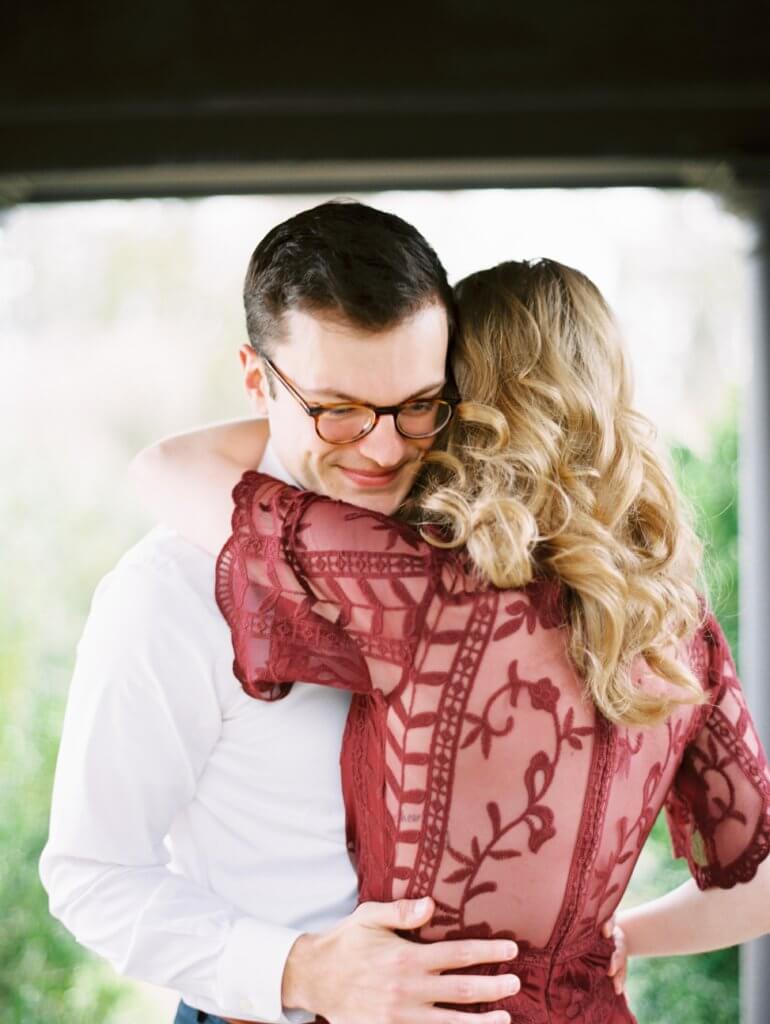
(345, 422)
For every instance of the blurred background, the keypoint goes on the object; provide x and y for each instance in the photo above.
(121, 322)
(146, 148)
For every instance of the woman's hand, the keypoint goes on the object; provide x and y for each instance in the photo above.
(619, 963)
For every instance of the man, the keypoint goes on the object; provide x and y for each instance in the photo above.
(197, 836)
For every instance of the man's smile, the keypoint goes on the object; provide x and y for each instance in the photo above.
(372, 478)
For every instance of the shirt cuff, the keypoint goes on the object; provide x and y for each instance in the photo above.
(251, 972)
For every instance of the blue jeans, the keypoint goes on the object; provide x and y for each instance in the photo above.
(187, 1015)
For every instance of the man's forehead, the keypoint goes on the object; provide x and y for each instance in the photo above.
(337, 361)
(333, 324)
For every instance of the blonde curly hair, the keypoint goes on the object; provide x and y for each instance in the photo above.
(548, 472)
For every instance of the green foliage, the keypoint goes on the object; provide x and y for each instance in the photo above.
(688, 989)
(53, 561)
(711, 484)
(695, 989)
(44, 975)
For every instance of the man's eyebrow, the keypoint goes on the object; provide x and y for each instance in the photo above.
(350, 398)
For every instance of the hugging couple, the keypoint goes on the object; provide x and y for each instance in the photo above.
(448, 517)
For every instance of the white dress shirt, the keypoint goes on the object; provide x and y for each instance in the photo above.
(195, 832)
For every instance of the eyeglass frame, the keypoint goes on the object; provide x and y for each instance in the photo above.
(316, 411)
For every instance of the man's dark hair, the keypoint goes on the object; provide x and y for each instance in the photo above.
(346, 258)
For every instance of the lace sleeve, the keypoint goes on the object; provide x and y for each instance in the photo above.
(319, 591)
(718, 809)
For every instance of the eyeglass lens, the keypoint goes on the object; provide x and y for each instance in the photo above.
(417, 419)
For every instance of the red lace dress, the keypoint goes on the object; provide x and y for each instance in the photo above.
(473, 768)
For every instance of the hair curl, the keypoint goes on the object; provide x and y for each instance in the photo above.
(550, 473)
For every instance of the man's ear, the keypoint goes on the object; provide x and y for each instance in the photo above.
(254, 379)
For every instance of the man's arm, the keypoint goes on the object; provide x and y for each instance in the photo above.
(142, 718)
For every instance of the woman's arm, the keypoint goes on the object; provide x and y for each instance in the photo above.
(187, 480)
(718, 812)
(690, 920)
(319, 590)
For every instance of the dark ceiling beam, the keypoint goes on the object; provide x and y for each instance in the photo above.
(186, 97)
(274, 177)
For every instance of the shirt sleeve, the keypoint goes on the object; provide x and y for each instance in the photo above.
(319, 590)
(718, 808)
(142, 718)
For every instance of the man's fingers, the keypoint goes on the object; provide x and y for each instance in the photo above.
(453, 953)
(438, 1016)
(468, 988)
(397, 914)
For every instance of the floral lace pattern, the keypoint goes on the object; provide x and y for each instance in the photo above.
(473, 768)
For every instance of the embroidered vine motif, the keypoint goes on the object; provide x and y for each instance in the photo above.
(630, 836)
(538, 778)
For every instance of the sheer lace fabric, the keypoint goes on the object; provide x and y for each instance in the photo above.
(474, 770)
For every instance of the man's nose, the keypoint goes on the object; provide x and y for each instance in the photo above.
(384, 445)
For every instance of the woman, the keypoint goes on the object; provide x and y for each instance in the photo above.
(535, 674)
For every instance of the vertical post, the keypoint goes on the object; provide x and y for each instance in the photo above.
(755, 564)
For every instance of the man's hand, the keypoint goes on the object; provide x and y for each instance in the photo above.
(619, 963)
(361, 970)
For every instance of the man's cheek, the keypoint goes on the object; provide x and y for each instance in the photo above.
(410, 475)
(323, 478)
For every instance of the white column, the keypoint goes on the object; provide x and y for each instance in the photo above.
(754, 501)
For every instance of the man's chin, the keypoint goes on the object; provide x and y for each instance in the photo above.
(386, 501)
